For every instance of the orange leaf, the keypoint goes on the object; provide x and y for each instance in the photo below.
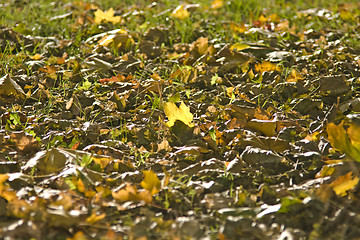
(266, 66)
(95, 218)
(129, 193)
(145, 196)
(217, 4)
(294, 76)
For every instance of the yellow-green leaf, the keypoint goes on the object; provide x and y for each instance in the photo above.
(181, 113)
(339, 140)
(344, 183)
(354, 134)
(151, 182)
(267, 127)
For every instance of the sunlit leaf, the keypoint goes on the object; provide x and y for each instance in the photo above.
(145, 196)
(5, 192)
(9, 87)
(151, 182)
(339, 140)
(217, 4)
(36, 57)
(3, 178)
(268, 127)
(344, 183)
(103, 161)
(129, 193)
(107, 16)
(238, 28)
(353, 131)
(78, 236)
(64, 200)
(93, 218)
(180, 13)
(181, 113)
(266, 66)
(239, 46)
(295, 76)
(201, 45)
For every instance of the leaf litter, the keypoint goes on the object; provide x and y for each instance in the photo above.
(173, 129)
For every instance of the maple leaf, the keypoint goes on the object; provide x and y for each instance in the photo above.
(151, 182)
(107, 16)
(181, 113)
(344, 183)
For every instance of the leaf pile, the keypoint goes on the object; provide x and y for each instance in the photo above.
(180, 121)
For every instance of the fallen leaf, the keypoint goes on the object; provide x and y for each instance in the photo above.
(339, 140)
(93, 218)
(267, 127)
(129, 193)
(217, 4)
(107, 16)
(181, 113)
(9, 87)
(180, 13)
(295, 76)
(151, 182)
(266, 66)
(344, 183)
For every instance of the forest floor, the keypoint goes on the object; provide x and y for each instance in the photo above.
(171, 120)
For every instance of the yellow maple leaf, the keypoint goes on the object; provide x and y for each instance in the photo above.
(181, 113)
(344, 183)
(151, 182)
(180, 13)
(107, 16)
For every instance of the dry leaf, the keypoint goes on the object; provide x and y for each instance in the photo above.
(266, 66)
(9, 87)
(181, 113)
(267, 127)
(295, 76)
(217, 4)
(151, 182)
(107, 16)
(344, 183)
(180, 13)
(129, 193)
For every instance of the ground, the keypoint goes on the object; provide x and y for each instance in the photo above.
(179, 120)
